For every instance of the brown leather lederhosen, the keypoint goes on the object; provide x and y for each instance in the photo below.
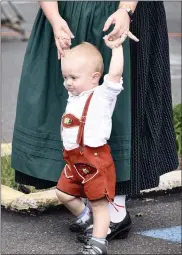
(89, 172)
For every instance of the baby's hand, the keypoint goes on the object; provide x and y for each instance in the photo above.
(113, 44)
(116, 63)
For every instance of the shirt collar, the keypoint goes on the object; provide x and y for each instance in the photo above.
(82, 93)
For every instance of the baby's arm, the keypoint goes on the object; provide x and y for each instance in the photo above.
(116, 65)
(117, 62)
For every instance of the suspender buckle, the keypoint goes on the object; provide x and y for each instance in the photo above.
(81, 150)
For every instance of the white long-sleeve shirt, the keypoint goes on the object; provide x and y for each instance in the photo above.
(99, 116)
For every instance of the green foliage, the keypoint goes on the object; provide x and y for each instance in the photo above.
(177, 117)
(8, 177)
(7, 173)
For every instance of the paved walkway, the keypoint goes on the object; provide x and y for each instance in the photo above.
(157, 231)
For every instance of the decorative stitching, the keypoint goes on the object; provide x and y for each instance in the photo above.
(68, 177)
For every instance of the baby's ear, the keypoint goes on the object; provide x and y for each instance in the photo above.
(96, 77)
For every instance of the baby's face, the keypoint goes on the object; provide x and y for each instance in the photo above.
(77, 74)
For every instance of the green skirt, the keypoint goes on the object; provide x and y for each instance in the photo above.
(37, 147)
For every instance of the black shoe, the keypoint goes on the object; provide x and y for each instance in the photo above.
(121, 229)
(118, 231)
(94, 247)
(80, 226)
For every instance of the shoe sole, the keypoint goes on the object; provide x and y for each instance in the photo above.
(120, 234)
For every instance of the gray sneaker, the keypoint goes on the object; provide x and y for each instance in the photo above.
(94, 247)
(79, 226)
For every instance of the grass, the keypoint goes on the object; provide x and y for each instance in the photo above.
(8, 177)
(8, 174)
(177, 112)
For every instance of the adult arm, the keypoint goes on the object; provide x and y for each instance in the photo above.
(50, 10)
(62, 33)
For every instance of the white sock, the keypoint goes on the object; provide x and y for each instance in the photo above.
(117, 216)
(84, 215)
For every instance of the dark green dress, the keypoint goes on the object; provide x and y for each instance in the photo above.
(37, 148)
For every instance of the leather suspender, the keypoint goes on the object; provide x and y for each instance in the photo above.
(82, 123)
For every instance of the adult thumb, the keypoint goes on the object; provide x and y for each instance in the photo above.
(107, 24)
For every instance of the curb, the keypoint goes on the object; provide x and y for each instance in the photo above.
(47, 200)
(43, 201)
(30, 203)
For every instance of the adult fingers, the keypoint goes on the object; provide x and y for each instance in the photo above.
(59, 55)
(133, 37)
(117, 43)
(67, 30)
(123, 36)
(115, 32)
(112, 44)
(64, 43)
(108, 23)
(66, 39)
(119, 34)
(61, 51)
(65, 36)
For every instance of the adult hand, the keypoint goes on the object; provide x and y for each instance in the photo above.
(112, 44)
(62, 35)
(121, 20)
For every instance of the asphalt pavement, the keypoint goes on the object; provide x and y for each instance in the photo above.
(13, 50)
(157, 230)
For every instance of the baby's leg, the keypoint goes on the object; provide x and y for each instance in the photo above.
(101, 218)
(74, 204)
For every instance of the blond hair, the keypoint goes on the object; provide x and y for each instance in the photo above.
(92, 53)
